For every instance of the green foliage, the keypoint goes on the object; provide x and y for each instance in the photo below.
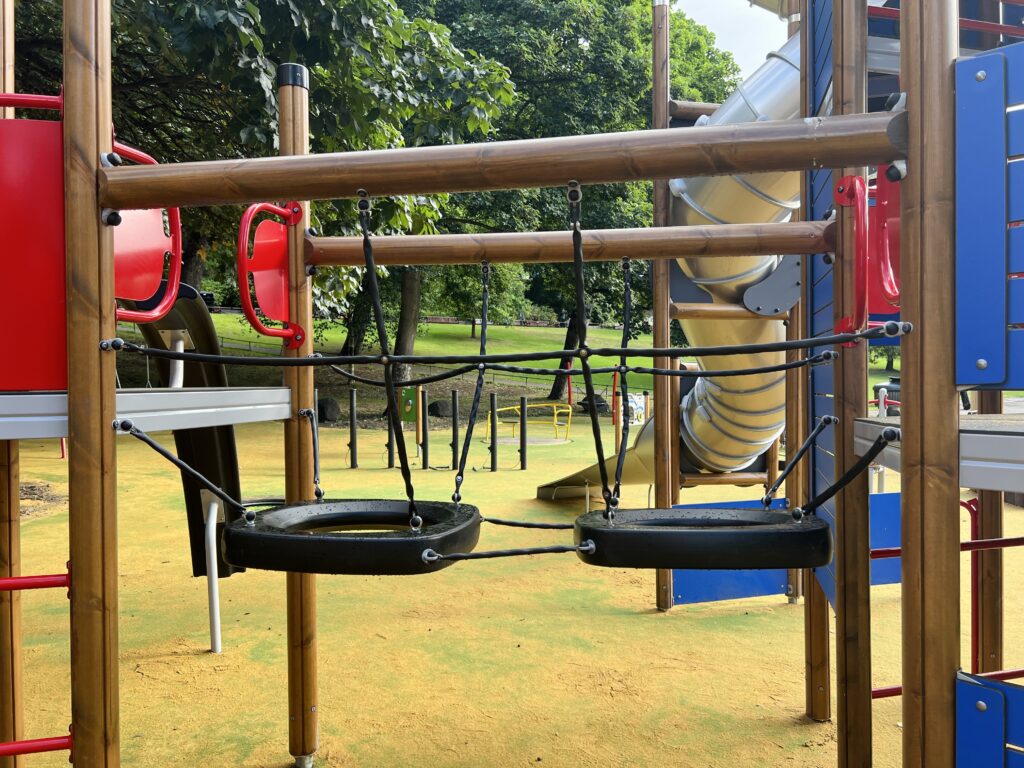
(456, 290)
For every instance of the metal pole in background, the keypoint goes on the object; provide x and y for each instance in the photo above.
(494, 432)
(425, 433)
(455, 429)
(522, 432)
(353, 430)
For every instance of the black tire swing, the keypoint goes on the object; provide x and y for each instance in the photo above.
(680, 537)
(358, 537)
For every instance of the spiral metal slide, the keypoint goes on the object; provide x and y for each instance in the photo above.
(725, 423)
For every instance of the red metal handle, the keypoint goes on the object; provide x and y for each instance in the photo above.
(852, 191)
(32, 101)
(173, 269)
(34, 746)
(886, 236)
(291, 333)
(17, 583)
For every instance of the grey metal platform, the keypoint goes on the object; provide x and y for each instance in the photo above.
(27, 415)
(991, 449)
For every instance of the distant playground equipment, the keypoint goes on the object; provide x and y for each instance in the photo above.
(733, 311)
(554, 418)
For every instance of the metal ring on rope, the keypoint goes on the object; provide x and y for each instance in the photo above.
(706, 539)
(368, 538)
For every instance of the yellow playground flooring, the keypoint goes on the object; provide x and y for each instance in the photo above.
(537, 661)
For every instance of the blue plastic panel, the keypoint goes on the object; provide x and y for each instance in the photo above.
(980, 724)
(885, 532)
(691, 586)
(982, 205)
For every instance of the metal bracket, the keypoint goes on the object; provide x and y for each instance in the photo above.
(778, 292)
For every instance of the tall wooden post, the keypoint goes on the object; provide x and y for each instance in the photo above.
(990, 564)
(853, 563)
(293, 102)
(92, 487)
(666, 473)
(930, 418)
(11, 713)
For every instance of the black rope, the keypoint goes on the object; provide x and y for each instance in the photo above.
(415, 521)
(430, 556)
(314, 429)
(823, 422)
(433, 379)
(474, 409)
(127, 426)
(521, 524)
(891, 329)
(575, 196)
(889, 435)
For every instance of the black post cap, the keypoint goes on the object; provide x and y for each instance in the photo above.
(293, 74)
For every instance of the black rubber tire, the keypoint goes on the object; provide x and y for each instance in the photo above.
(704, 539)
(290, 538)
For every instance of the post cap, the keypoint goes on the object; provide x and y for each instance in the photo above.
(293, 74)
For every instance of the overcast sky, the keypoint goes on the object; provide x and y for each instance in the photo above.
(749, 33)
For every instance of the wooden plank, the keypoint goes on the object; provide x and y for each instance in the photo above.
(782, 145)
(666, 481)
(931, 518)
(92, 469)
(990, 564)
(303, 726)
(11, 693)
(853, 565)
(11, 712)
(724, 478)
(599, 245)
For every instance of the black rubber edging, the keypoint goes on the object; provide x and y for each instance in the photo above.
(288, 538)
(704, 539)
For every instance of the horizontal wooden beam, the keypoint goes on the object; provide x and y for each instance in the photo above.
(696, 311)
(726, 478)
(690, 110)
(785, 145)
(598, 244)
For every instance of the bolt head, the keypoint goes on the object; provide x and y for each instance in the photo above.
(981, 364)
(981, 75)
(981, 706)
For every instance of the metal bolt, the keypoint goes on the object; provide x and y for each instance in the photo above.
(981, 363)
(981, 706)
(981, 75)
(840, 189)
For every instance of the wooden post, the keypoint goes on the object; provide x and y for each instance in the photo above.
(11, 712)
(293, 103)
(92, 468)
(853, 564)
(817, 611)
(929, 39)
(990, 564)
(665, 474)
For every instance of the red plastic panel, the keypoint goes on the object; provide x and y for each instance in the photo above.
(140, 245)
(32, 280)
(269, 268)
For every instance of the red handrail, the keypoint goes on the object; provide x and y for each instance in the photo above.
(34, 746)
(291, 333)
(173, 268)
(852, 191)
(973, 25)
(32, 101)
(17, 583)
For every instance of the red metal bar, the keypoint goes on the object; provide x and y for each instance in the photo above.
(174, 263)
(852, 191)
(978, 545)
(889, 691)
(970, 24)
(972, 509)
(34, 746)
(18, 583)
(32, 101)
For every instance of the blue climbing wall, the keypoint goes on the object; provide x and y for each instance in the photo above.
(989, 723)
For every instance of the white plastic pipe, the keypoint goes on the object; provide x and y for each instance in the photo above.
(176, 378)
(212, 585)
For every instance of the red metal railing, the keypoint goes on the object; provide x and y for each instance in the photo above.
(16, 583)
(974, 546)
(973, 25)
(32, 101)
(34, 746)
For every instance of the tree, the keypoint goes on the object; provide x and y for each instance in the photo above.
(458, 290)
(579, 66)
(194, 80)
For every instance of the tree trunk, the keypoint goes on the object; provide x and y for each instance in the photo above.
(472, 328)
(356, 325)
(560, 385)
(890, 360)
(408, 320)
(192, 265)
